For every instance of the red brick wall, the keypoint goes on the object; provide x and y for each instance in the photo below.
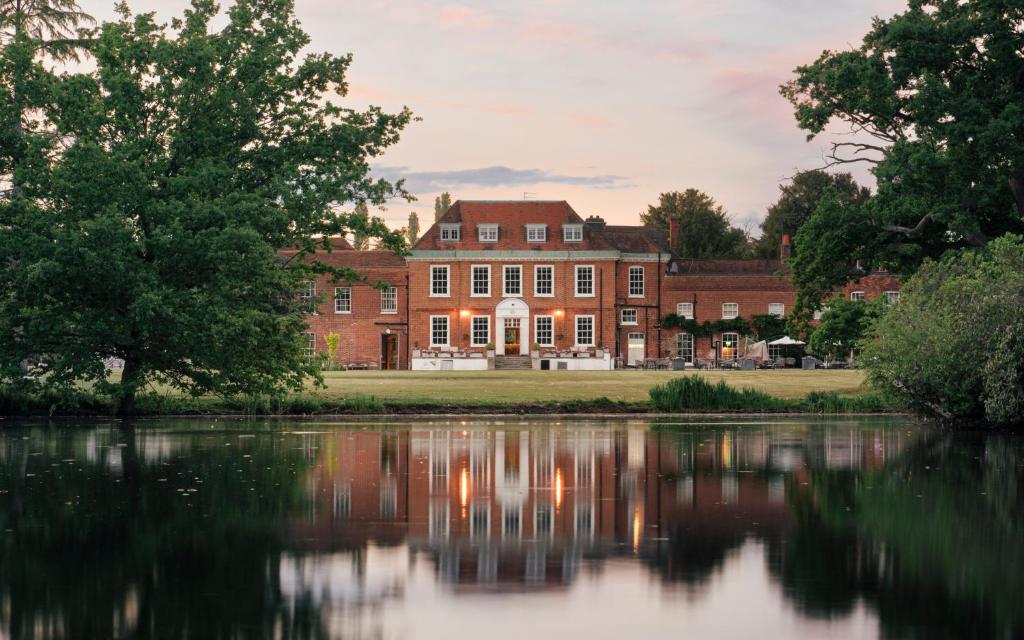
(423, 306)
(360, 331)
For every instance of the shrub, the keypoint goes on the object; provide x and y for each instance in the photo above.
(944, 350)
(694, 393)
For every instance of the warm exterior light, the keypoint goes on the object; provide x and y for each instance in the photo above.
(559, 313)
(464, 313)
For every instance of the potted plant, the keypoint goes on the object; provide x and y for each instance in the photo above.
(490, 349)
(534, 350)
(416, 349)
(599, 352)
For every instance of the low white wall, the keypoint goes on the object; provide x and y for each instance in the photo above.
(456, 364)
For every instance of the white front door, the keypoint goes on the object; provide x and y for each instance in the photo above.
(635, 352)
(512, 320)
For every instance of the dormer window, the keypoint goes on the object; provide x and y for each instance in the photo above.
(451, 232)
(487, 232)
(536, 232)
(572, 232)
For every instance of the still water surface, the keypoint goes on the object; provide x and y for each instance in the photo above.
(514, 529)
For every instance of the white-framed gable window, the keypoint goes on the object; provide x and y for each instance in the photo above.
(342, 299)
(892, 297)
(572, 232)
(857, 295)
(513, 280)
(544, 330)
(777, 309)
(487, 232)
(389, 300)
(629, 316)
(636, 282)
(439, 281)
(481, 330)
(685, 310)
(584, 281)
(584, 331)
(730, 310)
(451, 232)
(481, 280)
(536, 232)
(544, 280)
(439, 331)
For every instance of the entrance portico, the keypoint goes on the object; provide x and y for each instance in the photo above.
(512, 327)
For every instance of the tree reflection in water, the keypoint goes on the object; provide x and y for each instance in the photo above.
(283, 530)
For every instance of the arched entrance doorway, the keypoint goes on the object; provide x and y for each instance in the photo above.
(512, 327)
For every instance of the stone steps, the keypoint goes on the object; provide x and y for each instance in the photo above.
(513, 362)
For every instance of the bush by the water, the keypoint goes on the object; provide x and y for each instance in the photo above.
(694, 393)
(953, 347)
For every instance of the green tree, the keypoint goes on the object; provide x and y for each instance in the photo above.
(413, 230)
(951, 348)
(935, 96)
(704, 228)
(151, 227)
(843, 326)
(796, 204)
(441, 205)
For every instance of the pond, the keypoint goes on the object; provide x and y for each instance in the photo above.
(510, 529)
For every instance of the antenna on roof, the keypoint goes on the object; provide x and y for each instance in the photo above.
(527, 195)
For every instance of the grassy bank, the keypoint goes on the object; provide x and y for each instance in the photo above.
(517, 392)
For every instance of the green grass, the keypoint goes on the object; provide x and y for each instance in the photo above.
(375, 392)
(699, 395)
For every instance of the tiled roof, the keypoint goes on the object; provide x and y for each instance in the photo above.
(511, 216)
(376, 259)
(724, 267)
(635, 239)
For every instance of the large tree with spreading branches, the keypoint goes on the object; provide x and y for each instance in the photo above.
(934, 100)
(158, 192)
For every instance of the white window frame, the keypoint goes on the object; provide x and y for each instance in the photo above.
(681, 337)
(447, 331)
(308, 298)
(536, 233)
(338, 299)
(636, 317)
(572, 233)
(536, 330)
(504, 280)
(451, 232)
(487, 232)
(736, 355)
(593, 330)
(727, 315)
(857, 295)
(472, 281)
(447, 281)
(310, 348)
(892, 297)
(819, 313)
(385, 294)
(576, 281)
(536, 269)
(472, 331)
(685, 310)
(781, 309)
(629, 281)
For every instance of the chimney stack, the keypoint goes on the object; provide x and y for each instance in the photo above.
(595, 222)
(673, 232)
(786, 250)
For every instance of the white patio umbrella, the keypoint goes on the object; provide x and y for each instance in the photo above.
(786, 341)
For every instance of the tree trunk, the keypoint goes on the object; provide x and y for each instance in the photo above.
(132, 377)
(1017, 188)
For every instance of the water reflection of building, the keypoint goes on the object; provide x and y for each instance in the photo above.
(525, 506)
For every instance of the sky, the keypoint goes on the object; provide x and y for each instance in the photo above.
(603, 104)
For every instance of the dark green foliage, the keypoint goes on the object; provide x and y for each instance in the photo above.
(843, 326)
(704, 228)
(158, 191)
(760, 327)
(936, 97)
(951, 348)
(766, 327)
(694, 393)
(797, 203)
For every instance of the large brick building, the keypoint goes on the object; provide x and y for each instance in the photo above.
(528, 283)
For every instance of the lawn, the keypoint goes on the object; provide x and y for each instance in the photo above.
(500, 387)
